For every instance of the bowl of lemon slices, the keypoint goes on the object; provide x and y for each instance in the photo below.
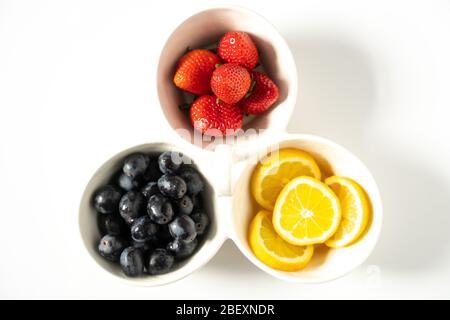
(306, 210)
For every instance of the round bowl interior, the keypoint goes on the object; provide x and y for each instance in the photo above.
(326, 264)
(91, 236)
(206, 28)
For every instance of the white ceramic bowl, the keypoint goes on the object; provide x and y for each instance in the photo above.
(91, 235)
(206, 28)
(326, 264)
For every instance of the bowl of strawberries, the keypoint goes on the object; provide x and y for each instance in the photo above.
(226, 72)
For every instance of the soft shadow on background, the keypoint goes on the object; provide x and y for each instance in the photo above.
(337, 98)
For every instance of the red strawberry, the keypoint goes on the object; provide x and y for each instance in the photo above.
(194, 70)
(238, 47)
(263, 96)
(230, 82)
(215, 118)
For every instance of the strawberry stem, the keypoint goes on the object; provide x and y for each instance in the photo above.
(250, 90)
(218, 65)
(218, 100)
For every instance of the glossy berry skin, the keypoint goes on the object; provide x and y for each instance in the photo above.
(128, 183)
(194, 70)
(169, 162)
(132, 262)
(193, 179)
(238, 47)
(230, 82)
(213, 118)
(181, 249)
(183, 228)
(160, 262)
(150, 189)
(110, 247)
(201, 221)
(135, 164)
(160, 209)
(184, 205)
(264, 95)
(132, 206)
(143, 229)
(106, 199)
(111, 224)
(172, 186)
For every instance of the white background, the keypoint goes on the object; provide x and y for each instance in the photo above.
(77, 85)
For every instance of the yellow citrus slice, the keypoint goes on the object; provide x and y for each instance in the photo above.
(355, 211)
(273, 250)
(306, 212)
(277, 170)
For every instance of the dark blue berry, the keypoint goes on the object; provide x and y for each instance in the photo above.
(111, 224)
(128, 183)
(135, 164)
(184, 205)
(110, 247)
(132, 262)
(106, 199)
(201, 221)
(150, 189)
(193, 179)
(172, 186)
(143, 229)
(183, 228)
(160, 261)
(181, 249)
(160, 209)
(132, 206)
(169, 162)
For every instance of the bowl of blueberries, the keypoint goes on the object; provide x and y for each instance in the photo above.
(148, 215)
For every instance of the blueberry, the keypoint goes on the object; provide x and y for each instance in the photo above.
(181, 249)
(169, 162)
(184, 205)
(143, 229)
(201, 220)
(197, 200)
(152, 173)
(110, 247)
(150, 189)
(111, 224)
(160, 262)
(106, 199)
(193, 179)
(132, 262)
(128, 183)
(159, 209)
(144, 246)
(183, 228)
(172, 186)
(135, 164)
(132, 206)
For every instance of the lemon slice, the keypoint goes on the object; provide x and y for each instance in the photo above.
(274, 251)
(306, 212)
(355, 211)
(277, 170)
